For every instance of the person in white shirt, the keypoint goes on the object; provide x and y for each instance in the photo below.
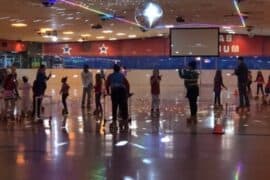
(87, 82)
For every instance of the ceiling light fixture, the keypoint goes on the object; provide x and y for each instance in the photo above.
(100, 37)
(132, 36)
(169, 26)
(85, 35)
(107, 31)
(54, 39)
(66, 38)
(112, 39)
(44, 30)
(68, 32)
(120, 34)
(18, 25)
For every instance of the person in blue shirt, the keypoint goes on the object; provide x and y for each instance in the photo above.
(39, 88)
(118, 87)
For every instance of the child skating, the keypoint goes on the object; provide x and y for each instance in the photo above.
(98, 93)
(260, 83)
(155, 91)
(25, 97)
(65, 93)
(218, 85)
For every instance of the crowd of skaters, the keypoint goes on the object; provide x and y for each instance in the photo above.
(117, 86)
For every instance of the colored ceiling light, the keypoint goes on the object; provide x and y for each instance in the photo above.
(19, 25)
(236, 5)
(85, 7)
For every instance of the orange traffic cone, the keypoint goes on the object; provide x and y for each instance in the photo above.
(218, 129)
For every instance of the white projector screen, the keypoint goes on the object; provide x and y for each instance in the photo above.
(194, 42)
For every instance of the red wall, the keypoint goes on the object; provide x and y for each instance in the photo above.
(230, 45)
(143, 47)
(12, 46)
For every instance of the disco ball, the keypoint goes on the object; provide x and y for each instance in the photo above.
(148, 14)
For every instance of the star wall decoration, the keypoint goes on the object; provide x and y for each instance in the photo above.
(103, 49)
(66, 49)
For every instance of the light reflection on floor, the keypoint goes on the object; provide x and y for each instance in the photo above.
(164, 147)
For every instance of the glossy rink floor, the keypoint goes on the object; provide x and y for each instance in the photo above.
(165, 147)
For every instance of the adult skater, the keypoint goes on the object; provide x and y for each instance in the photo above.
(118, 87)
(39, 88)
(190, 76)
(87, 82)
(242, 76)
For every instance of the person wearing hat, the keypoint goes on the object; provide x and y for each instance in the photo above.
(118, 87)
(190, 76)
(87, 82)
(64, 92)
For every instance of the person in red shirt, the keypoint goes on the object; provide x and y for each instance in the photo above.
(98, 93)
(65, 92)
(10, 93)
(155, 90)
(260, 82)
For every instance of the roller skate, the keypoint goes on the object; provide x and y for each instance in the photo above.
(239, 109)
(155, 113)
(64, 112)
(265, 100)
(42, 109)
(113, 127)
(123, 125)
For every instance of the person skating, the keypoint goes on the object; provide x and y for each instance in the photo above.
(260, 83)
(39, 88)
(64, 93)
(118, 87)
(249, 83)
(218, 85)
(25, 96)
(241, 72)
(87, 82)
(98, 93)
(190, 76)
(155, 91)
